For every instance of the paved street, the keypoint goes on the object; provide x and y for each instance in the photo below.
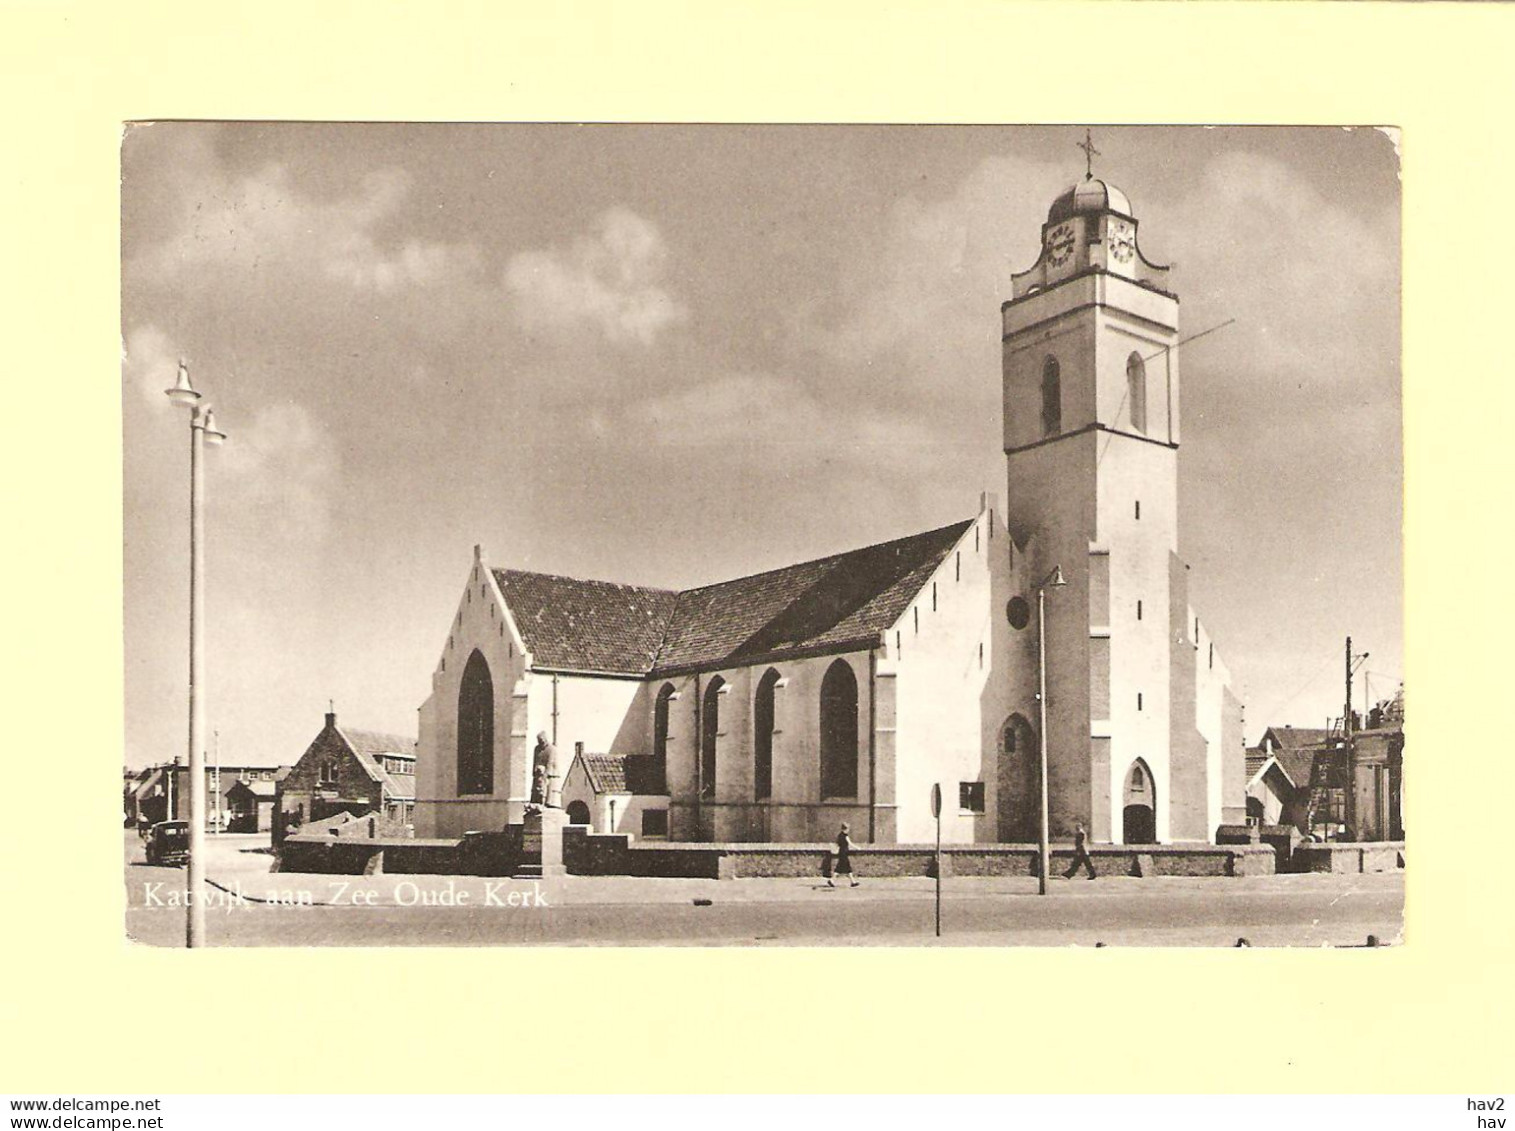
(466, 910)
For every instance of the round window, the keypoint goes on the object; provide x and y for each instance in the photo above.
(1018, 612)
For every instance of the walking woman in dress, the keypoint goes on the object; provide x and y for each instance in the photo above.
(843, 857)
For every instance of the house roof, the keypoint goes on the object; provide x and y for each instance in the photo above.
(826, 605)
(400, 787)
(607, 773)
(1292, 738)
(151, 779)
(263, 790)
(1258, 763)
(369, 745)
(373, 742)
(1297, 747)
(621, 773)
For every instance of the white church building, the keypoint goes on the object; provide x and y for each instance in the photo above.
(775, 707)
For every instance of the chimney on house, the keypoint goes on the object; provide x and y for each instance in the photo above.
(578, 749)
(331, 714)
(987, 501)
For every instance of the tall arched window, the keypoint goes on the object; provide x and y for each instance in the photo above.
(660, 708)
(1052, 398)
(839, 731)
(1136, 391)
(762, 736)
(710, 729)
(476, 728)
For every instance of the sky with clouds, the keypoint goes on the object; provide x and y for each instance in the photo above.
(676, 354)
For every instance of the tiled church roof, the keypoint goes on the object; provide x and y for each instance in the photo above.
(815, 606)
(812, 608)
(594, 626)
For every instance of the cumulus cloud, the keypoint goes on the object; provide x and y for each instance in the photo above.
(759, 410)
(1268, 241)
(262, 221)
(921, 313)
(609, 279)
(276, 475)
(149, 363)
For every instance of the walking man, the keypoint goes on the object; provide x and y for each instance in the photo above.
(1080, 852)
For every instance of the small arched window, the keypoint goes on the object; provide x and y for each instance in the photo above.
(762, 736)
(839, 731)
(660, 707)
(1052, 398)
(1136, 391)
(1017, 737)
(710, 729)
(476, 728)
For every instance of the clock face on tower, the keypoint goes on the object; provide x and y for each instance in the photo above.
(1060, 244)
(1122, 241)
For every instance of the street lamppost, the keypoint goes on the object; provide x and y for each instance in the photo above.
(1052, 580)
(202, 431)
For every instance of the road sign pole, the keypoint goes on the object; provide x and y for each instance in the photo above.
(936, 811)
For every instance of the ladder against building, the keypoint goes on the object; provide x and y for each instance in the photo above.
(1330, 780)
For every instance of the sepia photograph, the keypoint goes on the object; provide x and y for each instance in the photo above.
(762, 535)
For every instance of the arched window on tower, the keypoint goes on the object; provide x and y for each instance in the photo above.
(762, 736)
(710, 729)
(1016, 781)
(1052, 398)
(660, 707)
(476, 728)
(839, 732)
(1136, 391)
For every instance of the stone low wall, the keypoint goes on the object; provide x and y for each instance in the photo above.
(597, 854)
(478, 854)
(1281, 838)
(600, 854)
(1349, 857)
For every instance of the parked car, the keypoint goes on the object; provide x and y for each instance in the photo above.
(168, 843)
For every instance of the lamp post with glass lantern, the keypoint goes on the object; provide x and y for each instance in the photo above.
(202, 431)
(1052, 580)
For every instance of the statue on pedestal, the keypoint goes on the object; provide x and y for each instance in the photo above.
(544, 775)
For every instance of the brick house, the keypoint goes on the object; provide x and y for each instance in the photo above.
(348, 771)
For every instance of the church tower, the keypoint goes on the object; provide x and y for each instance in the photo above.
(1091, 436)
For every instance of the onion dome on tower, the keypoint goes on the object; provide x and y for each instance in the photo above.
(1090, 228)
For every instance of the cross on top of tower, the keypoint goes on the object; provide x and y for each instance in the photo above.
(1090, 153)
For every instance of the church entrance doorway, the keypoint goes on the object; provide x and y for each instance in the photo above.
(578, 813)
(1139, 816)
